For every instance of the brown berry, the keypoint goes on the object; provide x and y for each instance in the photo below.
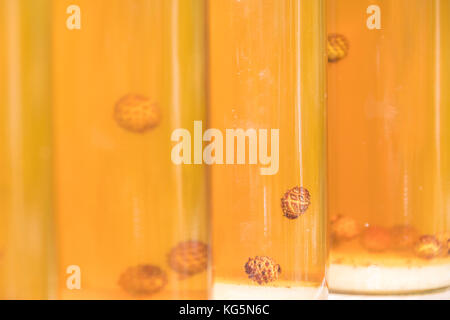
(262, 269)
(189, 257)
(428, 247)
(337, 47)
(295, 202)
(143, 279)
(403, 237)
(137, 113)
(344, 228)
(376, 239)
(444, 238)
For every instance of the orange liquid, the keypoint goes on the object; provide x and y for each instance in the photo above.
(267, 72)
(26, 234)
(389, 117)
(121, 200)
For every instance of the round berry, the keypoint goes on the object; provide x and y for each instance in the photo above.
(403, 237)
(295, 202)
(376, 239)
(137, 113)
(344, 228)
(262, 269)
(143, 279)
(337, 47)
(189, 257)
(428, 247)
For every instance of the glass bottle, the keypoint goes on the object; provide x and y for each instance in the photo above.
(26, 234)
(389, 145)
(267, 73)
(131, 222)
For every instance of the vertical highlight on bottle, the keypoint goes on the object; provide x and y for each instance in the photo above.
(26, 234)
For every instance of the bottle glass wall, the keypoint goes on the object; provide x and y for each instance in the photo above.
(267, 72)
(25, 150)
(131, 222)
(389, 145)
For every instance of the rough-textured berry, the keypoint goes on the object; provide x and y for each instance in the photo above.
(262, 269)
(444, 238)
(403, 237)
(337, 47)
(428, 247)
(143, 279)
(295, 202)
(376, 239)
(137, 113)
(189, 258)
(344, 228)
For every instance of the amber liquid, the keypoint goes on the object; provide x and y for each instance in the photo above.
(389, 138)
(26, 237)
(267, 72)
(121, 200)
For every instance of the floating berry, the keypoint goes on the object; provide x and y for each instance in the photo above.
(376, 239)
(189, 257)
(403, 237)
(428, 247)
(295, 202)
(137, 113)
(262, 269)
(444, 238)
(337, 47)
(344, 228)
(143, 279)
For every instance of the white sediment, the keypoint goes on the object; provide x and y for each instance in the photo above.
(380, 279)
(225, 291)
